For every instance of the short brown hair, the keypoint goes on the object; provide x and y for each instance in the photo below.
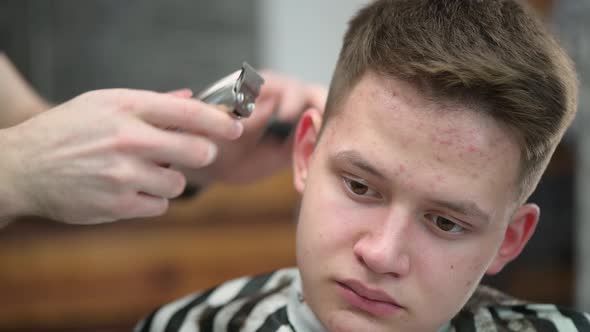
(494, 53)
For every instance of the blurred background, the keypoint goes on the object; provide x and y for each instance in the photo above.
(57, 277)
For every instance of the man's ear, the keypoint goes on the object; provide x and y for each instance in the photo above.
(519, 231)
(306, 136)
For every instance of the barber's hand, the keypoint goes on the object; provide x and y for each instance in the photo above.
(255, 154)
(104, 155)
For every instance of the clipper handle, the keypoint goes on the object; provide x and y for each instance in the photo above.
(278, 130)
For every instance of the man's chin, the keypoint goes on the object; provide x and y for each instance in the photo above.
(349, 320)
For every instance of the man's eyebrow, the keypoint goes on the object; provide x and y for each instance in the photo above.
(355, 158)
(467, 208)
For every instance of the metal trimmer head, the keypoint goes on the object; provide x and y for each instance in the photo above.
(238, 91)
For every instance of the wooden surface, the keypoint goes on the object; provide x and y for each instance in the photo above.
(59, 277)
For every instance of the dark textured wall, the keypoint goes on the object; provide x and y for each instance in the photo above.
(66, 47)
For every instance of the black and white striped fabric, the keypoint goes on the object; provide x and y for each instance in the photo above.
(273, 303)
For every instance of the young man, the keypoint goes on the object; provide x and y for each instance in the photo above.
(440, 120)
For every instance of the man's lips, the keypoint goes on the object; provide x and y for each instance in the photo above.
(367, 292)
(371, 300)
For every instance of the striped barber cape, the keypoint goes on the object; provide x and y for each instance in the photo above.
(273, 303)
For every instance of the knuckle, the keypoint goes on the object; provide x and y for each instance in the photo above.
(87, 95)
(190, 110)
(127, 105)
(194, 117)
(120, 100)
(123, 140)
(87, 98)
(188, 114)
(121, 175)
(99, 95)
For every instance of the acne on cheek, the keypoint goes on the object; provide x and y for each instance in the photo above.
(467, 283)
(401, 169)
(442, 140)
(438, 179)
(410, 184)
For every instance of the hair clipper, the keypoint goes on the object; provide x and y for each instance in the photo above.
(238, 91)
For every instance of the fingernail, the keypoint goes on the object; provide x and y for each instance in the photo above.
(239, 128)
(187, 93)
(182, 93)
(211, 154)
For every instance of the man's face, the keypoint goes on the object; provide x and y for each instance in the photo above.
(406, 205)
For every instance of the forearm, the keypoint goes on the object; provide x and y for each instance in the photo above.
(18, 101)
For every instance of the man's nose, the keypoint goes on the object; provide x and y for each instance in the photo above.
(385, 249)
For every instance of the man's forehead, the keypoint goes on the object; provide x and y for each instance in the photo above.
(387, 100)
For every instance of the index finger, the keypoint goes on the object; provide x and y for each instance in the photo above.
(190, 115)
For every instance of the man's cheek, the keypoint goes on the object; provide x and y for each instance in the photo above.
(469, 273)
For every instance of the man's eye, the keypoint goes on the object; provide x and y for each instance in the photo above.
(360, 189)
(444, 224)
